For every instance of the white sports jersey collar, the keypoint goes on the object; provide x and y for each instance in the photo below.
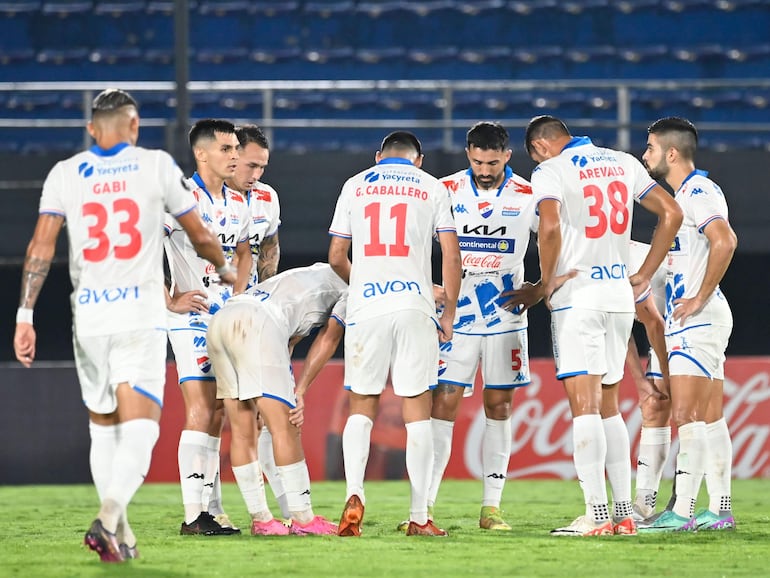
(577, 141)
(199, 181)
(696, 172)
(508, 175)
(395, 161)
(110, 152)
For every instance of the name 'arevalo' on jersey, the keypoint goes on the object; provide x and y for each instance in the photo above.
(265, 213)
(228, 218)
(113, 202)
(636, 255)
(702, 201)
(494, 228)
(596, 188)
(305, 297)
(391, 213)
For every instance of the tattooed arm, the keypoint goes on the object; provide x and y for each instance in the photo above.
(40, 253)
(269, 254)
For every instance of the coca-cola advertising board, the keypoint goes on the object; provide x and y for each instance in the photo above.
(541, 427)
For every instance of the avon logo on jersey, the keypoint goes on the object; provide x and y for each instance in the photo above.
(95, 296)
(485, 209)
(396, 286)
(603, 272)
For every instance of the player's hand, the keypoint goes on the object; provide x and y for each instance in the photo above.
(646, 389)
(297, 413)
(189, 302)
(521, 299)
(24, 343)
(445, 333)
(556, 284)
(684, 308)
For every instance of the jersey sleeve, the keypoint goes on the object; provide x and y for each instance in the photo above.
(706, 204)
(643, 182)
(177, 195)
(274, 215)
(444, 221)
(51, 201)
(340, 226)
(546, 184)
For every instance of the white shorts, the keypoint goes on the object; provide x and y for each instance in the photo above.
(504, 360)
(653, 366)
(187, 334)
(698, 351)
(588, 342)
(137, 358)
(404, 342)
(249, 349)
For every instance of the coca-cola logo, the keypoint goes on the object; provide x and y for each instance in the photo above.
(542, 433)
(483, 261)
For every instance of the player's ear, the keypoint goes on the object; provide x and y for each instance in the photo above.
(377, 157)
(91, 130)
(418, 161)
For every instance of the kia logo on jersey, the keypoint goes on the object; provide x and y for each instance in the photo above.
(485, 209)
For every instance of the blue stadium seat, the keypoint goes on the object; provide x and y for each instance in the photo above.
(226, 7)
(66, 8)
(19, 7)
(119, 8)
(525, 8)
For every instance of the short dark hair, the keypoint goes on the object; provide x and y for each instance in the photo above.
(110, 100)
(488, 136)
(401, 140)
(207, 129)
(544, 126)
(678, 132)
(251, 133)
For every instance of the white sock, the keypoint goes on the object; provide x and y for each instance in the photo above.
(130, 465)
(495, 454)
(654, 445)
(719, 466)
(212, 487)
(267, 463)
(252, 487)
(618, 464)
(589, 454)
(690, 464)
(193, 457)
(356, 438)
(442, 450)
(104, 440)
(419, 465)
(296, 480)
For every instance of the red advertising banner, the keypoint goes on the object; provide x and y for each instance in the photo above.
(542, 433)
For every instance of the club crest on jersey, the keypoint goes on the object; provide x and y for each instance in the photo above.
(441, 367)
(204, 364)
(485, 209)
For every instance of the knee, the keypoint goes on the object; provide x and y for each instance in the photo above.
(498, 409)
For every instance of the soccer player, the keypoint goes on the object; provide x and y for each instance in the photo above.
(197, 295)
(250, 343)
(584, 196)
(389, 214)
(112, 197)
(253, 157)
(494, 214)
(698, 326)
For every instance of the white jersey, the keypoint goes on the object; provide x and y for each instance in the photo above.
(265, 219)
(391, 211)
(228, 218)
(113, 201)
(702, 201)
(596, 187)
(305, 297)
(493, 228)
(636, 256)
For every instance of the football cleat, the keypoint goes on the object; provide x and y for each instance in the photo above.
(205, 525)
(642, 512)
(668, 521)
(224, 521)
(318, 526)
(352, 516)
(624, 526)
(129, 552)
(427, 529)
(708, 520)
(582, 526)
(103, 543)
(491, 518)
(404, 524)
(272, 527)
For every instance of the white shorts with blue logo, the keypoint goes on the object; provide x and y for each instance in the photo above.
(137, 358)
(588, 342)
(249, 348)
(187, 334)
(402, 342)
(504, 359)
(698, 351)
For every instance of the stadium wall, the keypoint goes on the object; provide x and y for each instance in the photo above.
(46, 427)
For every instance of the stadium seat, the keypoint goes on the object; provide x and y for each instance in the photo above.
(523, 8)
(66, 8)
(226, 7)
(17, 7)
(119, 9)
